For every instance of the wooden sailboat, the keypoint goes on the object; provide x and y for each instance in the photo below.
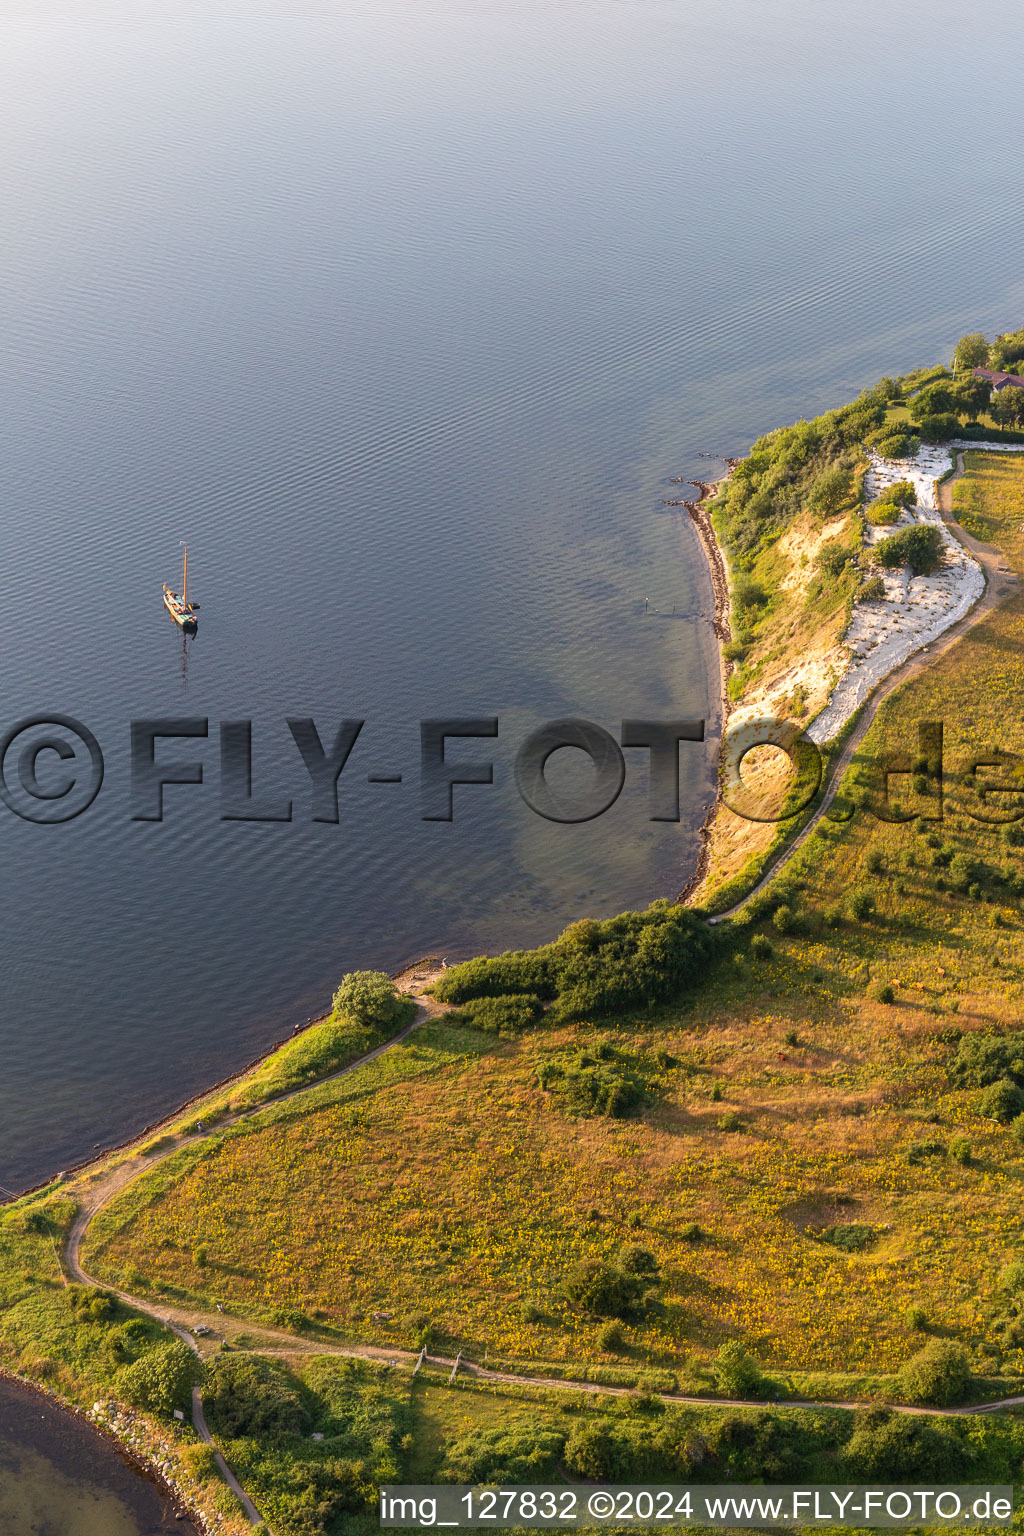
(180, 609)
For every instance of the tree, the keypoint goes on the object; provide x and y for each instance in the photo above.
(940, 1374)
(830, 491)
(1008, 406)
(971, 351)
(939, 428)
(162, 1379)
(919, 547)
(1008, 351)
(971, 396)
(367, 997)
(933, 400)
(739, 1374)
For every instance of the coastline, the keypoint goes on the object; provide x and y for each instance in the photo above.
(718, 569)
(182, 1505)
(852, 694)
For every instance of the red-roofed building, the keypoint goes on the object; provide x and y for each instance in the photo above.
(998, 380)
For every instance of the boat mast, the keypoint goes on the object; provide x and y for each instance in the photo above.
(184, 580)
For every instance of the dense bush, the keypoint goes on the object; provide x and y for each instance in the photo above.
(894, 442)
(249, 1395)
(738, 1373)
(636, 959)
(920, 547)
(608, 1290)
(367, 997)
(1004, 1101)
(517, 971)
(598, 1082)
(872, 590)
(939, 428)
(520, 1454)
(504, 1016)
(162, 1379)
(983, 1059)
(887, 507)
(833, 559)
(809, 464)
(90, 1304)
(888, 1446)
(939, 1374)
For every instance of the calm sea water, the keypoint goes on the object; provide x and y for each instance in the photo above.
(404, 315)
(59, 1477)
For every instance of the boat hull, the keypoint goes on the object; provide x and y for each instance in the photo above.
(182, 616)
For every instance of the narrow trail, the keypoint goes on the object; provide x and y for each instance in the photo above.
(1001, 581)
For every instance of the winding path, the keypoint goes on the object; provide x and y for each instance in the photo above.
(1001, 581)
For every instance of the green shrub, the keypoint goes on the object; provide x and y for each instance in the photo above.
(610, 1338)
(893, 1447)
(920, 547)
(960, 1151)
(784, 919)
(605, 1290)
(850, 1237)
(760, 947)
(861, 904)
(982, 1059)
(872, 590)
(504, 1016)
(367, 997)
(1017, 1127)
(884, 993)
(917, 1319)
(833, 560)
(519, 1453)
(830, 492)
(737, 1372)
(589, 1084)
(919, 1151)
(518, 971)
(635, 959)
(731, 1121)
(248, 1395)
(90, 1304)
(938, 428)
(162, 1379)
(1012, 1278)
(939, 1374)
(1003, 1101)
(635, 1260)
